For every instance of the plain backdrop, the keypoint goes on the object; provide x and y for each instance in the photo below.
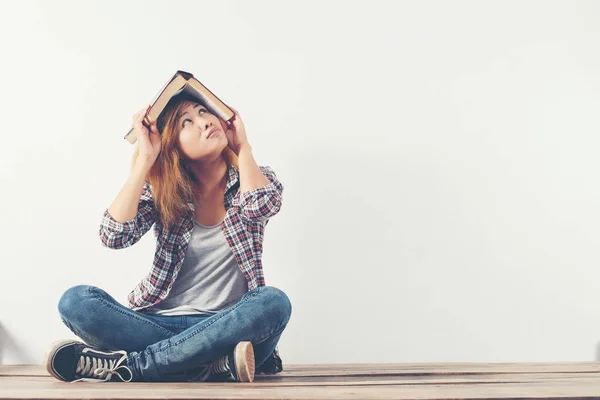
(440, 164)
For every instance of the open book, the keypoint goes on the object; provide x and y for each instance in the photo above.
(182, 82)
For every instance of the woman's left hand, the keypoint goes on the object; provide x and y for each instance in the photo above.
(236, 132)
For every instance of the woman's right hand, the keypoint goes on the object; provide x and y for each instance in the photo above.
(148, 140)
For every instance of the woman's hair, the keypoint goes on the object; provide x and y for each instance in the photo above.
(170, 176)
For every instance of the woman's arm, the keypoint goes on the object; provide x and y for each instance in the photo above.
(131, 214)
(261, 203)
(125, 205)
(260, 190)
(251, 176)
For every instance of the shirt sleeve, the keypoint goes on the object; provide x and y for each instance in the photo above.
(262, 203)
(118, 235)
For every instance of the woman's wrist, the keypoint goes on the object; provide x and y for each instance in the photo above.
(142, 167)
(244, 146)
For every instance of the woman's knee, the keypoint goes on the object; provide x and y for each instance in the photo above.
(73, 300)
(277, 303)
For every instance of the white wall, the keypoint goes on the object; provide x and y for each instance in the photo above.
(439, 160)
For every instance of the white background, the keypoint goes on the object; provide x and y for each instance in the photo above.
(439, 159)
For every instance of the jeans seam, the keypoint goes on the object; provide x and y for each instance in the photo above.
(112, 306)
(194, 333)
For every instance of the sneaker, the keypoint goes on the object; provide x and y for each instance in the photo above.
(74, 361)
(237, 366)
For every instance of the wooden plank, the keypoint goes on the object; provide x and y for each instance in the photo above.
(22, 370)
(283, 381)
(53, 390)
(440, 368)
(343, 381)
(385, 369)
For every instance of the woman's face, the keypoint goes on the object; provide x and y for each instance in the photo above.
(196, 124)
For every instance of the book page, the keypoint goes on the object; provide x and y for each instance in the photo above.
(212, 107)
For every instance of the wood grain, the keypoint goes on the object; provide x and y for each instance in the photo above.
(337, 381)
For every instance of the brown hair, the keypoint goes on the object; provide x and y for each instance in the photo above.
(170, 177)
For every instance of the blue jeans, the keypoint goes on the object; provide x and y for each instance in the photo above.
(165, 348)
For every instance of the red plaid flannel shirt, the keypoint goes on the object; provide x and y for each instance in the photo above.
(247, 215)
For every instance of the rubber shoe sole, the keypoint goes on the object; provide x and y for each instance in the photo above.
(244, 361)
(51, 353)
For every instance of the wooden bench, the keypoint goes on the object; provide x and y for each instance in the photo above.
(575, 380)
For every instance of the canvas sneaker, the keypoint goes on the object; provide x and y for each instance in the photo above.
(74, 361)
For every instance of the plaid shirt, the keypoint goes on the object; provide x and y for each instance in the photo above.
(247, 215)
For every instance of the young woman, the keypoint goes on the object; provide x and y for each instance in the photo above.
(203, 312)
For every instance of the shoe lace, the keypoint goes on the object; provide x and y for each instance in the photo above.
(221, 368)
(99, 369)
(217, 368)
(221, 365)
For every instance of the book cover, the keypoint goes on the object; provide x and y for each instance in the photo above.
(182, 81)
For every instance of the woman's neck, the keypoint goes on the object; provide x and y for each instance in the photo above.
(211, 178)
